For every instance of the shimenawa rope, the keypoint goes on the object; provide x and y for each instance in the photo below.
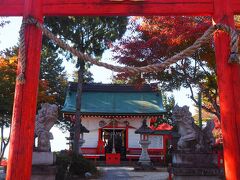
(234, 57)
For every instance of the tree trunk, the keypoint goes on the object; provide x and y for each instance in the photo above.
(78, 108)
(2, 143)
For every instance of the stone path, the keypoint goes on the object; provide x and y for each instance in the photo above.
(125, 173)
(2, 174)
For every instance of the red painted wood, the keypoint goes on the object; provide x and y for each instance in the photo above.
(236, 7)
(107, 7)
(11, 7)
(128, 9)
(21, 142)
(125, 7)
(99, 134)
(113, 158)
(11, 10)
(155, 154)
(123, 1)
(12, 2)
(147, 7)
(229, 88)
(88, 150)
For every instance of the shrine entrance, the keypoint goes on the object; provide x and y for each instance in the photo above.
(24, 110)
(114, 138)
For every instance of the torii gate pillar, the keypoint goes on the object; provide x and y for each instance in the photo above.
(228, 76)
(25, 101)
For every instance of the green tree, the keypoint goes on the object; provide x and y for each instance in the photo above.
(90, 35)
(168, 104)
(53, 81)
(53, 76)
(51, 85)
(87, 76)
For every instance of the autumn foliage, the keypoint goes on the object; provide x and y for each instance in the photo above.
(154, 39)
(8, 67)
(7, 83)
(173, 31)
(43, 95)
(159, 38)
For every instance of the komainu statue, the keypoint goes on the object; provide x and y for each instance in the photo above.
(45, 119)
(192, 137)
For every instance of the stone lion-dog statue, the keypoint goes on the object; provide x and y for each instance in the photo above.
(192, 138)
(45, 119)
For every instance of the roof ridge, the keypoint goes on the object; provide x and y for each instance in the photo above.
(99, 87)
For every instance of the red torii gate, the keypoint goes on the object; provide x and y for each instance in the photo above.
(222, 11)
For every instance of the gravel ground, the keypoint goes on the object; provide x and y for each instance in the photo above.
(125, 173)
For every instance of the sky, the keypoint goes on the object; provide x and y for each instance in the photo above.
(9, 36)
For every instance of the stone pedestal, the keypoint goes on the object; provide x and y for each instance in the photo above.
(43, 158)
(144, 159)
(196, 166)
(43, 166)
(41, 172)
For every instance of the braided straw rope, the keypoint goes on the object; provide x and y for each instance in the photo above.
(22, 54)
(234, 58)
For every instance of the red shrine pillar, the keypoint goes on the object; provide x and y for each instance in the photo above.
(25, 101)
(228, 76)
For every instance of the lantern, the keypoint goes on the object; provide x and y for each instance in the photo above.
(83, 130)
(144, 132)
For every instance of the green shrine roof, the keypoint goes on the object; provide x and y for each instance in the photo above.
(110, 99)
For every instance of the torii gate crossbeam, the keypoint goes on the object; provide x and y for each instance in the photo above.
(116, 7)
(222, 11)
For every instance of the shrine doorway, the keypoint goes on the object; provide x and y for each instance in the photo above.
(114, 139)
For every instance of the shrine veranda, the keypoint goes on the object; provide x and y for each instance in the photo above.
(222, 11)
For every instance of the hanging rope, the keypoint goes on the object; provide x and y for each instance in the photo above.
(234, 57)
(22, 50)
(22, 54)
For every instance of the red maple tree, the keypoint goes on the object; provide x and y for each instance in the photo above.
(158, 38)
(154, 39)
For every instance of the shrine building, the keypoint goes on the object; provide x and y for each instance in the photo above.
(112, 113)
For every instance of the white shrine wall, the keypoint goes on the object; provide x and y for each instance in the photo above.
(133, 139)
(92, 124)
(91, 138)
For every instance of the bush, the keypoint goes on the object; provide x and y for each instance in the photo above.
(69, 165)
(62, 162)
(80, 166)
